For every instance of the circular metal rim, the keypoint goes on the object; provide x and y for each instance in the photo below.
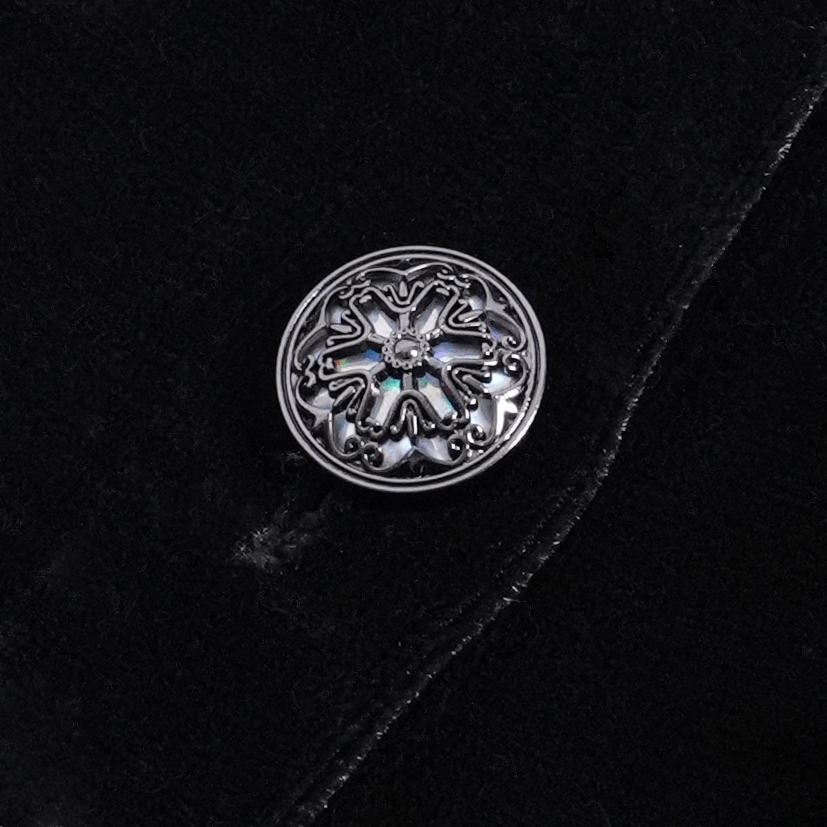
(408, 486)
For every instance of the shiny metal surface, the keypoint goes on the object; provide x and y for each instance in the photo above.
(411, 368)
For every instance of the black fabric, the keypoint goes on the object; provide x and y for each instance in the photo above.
(668, 666)
(193, 612)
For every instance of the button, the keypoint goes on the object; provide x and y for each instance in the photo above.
(411, 368)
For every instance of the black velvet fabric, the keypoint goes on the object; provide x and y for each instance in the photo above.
(668, 665)
(195, 618)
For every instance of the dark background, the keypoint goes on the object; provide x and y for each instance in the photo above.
(192, 613)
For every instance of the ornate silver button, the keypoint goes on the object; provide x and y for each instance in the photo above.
(411, 368)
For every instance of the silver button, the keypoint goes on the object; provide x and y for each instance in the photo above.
(411, 368)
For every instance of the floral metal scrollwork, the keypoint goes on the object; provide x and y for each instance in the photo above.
(411, 366)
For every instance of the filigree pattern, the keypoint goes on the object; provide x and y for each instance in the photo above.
(411, 366)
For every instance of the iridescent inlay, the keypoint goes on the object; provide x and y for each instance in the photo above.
(411, 369)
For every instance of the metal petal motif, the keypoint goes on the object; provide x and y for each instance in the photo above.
(411, 368)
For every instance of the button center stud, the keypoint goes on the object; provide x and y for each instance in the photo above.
(405, 350)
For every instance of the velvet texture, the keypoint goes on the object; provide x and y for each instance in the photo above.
(193, 612)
